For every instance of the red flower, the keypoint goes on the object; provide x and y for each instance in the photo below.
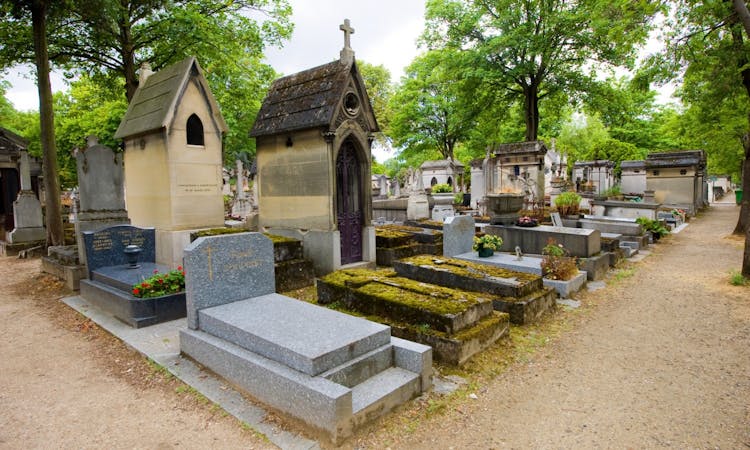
(136, 291)
(156, 270)
(179, 268)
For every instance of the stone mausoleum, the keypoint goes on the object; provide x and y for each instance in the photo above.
(678, 179)
(314, 133)
(173, 157)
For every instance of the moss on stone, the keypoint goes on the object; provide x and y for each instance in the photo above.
(481, 328)
(276, 239)
(216, 232)
(468, 268)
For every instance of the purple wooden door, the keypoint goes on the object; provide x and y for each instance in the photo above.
(349, 203)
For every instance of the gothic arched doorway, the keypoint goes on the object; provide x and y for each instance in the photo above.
(349, 202)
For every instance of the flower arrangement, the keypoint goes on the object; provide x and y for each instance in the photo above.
(526, 221)
(489, 241)
(160, 284)
(556, 264)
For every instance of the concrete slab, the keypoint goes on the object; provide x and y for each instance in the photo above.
(161, 343)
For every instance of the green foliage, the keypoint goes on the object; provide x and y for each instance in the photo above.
(567, 203)
(490, 241)
(434, 108)
(736, 279)
(556, 264)
(379, 88)
(160, 284)
(654, 226)
(442, 188)
(538, 48)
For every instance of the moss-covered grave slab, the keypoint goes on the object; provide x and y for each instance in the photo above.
(456, 323)
(528, 308)
(457, 273)
(394, 242)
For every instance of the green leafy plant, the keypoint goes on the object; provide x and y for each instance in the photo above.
(490, 241)
(613, 191)
(458, 199)
(160, 284)
(556, 264)
(656, 228)
(567, 203)
(738, 280)
(442, 188)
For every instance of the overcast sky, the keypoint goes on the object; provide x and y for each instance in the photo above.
(385, 32)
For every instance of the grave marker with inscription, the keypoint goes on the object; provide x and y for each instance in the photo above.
(106, 247)
(225, 269)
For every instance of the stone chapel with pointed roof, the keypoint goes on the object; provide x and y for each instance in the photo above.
(313, 138)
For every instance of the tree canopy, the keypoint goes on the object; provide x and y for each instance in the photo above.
(534, 49)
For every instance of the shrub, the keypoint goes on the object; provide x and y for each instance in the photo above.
(442, 188)
(556, 264)
(567, 203)
(160, 284)
(654, 226)
(738, 280)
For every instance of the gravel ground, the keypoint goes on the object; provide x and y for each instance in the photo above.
(658, 358)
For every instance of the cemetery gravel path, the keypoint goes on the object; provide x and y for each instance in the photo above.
(65, 383)
(660, 359)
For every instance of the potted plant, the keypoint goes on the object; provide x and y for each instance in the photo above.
(487, 244)
(614, 193)
(556, 264)
(655, 227)
(567, 204)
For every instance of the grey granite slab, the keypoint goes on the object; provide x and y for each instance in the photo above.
(124, 277)
(225, 269)
(306, 337)
(458, 235)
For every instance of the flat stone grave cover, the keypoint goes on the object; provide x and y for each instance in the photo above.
(106, 246)
(461, 274)
(293, 332)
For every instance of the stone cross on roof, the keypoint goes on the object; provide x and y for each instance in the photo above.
(347, 54)
(346, 27)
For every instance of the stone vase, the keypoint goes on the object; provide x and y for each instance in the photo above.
(503, 208)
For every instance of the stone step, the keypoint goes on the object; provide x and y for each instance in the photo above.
(529, 308)
(461, 274)
(315, 400)
(294, 274)
(381, 393)
(279, 328)
(362, 367)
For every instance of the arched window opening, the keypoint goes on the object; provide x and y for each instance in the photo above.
(194, 130)
(433, 181)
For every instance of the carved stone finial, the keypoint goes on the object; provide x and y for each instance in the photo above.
(347, 54)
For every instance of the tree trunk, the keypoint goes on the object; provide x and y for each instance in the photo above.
(741, 9)
(127, 53)
(531, 111)
(53, 218)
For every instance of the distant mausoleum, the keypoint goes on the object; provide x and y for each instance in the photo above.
(633, 177)
(443, 171)
(678, 179)
(594, 177)
(516, 167)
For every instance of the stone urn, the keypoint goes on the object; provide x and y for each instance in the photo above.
(503, 208)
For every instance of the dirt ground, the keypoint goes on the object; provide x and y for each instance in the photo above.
(659, 358)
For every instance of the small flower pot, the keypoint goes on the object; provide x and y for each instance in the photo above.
(485, 252)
